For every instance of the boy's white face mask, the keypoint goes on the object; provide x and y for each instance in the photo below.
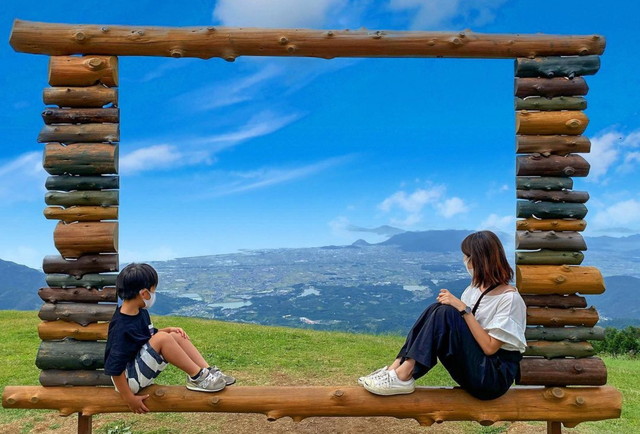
(149, 303)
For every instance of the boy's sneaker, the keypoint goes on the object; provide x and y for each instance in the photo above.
(389, 384)
(206, 382)
(228, 379)
(375, 373)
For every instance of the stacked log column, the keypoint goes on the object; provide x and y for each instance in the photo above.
(550, 121)
(81, 132)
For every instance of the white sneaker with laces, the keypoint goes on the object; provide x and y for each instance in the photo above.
(389, 384)
(375, 373)
(206, 382)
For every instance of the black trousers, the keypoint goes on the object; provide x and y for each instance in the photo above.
(442, 333)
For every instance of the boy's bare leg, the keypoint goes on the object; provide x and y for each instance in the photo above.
(190, 349)
(166, 346)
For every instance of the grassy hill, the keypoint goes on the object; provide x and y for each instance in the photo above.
(261, 355)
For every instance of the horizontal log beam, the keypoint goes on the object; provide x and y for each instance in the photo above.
(56, 330)
(553, 300)
(69, 183)
(87, 281)
(70, 354)
(567, 122)
(550, 87)
(550, 210)
(543, 183)
(589, 371)
(532, 224)
(554, 196)
(81, 213)
(559, 145)
(557, 103)
(553, 165)
(82, 198)
(231, 42)
(81, 266)
(80, 133)
(81, 159)
(81, 313)
(551, 240)
(556, 317)
(558, 279)
(565, 333)
(549, 257)
(83, 71)
(76, 239)
(426, 405)
(557, 66)
(52, 115)
(553, 350)
(58, 377)
(89, 96)
(78, 295)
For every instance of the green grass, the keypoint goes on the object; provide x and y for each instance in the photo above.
(260, 355)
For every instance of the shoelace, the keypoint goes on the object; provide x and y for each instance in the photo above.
(383, 380)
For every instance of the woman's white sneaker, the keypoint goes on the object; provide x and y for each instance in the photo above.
(388, 383)
(375, 373)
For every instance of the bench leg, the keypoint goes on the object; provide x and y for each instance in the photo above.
(554, 427)
(84, 424)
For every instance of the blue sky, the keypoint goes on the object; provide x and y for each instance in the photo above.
(286, 152)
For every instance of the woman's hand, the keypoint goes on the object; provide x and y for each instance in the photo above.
(445, 297)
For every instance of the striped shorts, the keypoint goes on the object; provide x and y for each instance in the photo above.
(142, 370)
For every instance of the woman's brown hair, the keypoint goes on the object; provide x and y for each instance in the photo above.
(489, 263)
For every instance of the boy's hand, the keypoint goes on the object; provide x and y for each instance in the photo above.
(136, 404)
(176, 330)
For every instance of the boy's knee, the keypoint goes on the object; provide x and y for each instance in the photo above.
(159, 338)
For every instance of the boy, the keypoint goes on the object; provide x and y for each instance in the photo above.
(137, 352)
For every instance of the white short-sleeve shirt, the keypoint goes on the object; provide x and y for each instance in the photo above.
(503, 316)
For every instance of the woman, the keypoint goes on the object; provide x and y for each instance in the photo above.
(478, 338)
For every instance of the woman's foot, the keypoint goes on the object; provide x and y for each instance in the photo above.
(388, 383)
(373, 374)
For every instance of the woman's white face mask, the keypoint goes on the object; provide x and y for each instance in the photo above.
(466, 261)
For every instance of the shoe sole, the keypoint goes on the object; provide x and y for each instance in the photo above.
(199, 389)
(388, 392)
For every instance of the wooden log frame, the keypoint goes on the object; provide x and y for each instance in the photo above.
(567, 122)
(59, 377)
(553, 300)
(80, 133)
(543, 183)
(556, 349)
(86, 281)
(81, 313)
(71, 354)
(79, 267)
(532, 224)
(427, 405)
(551, 66)
(81, 159)
(84, 97)
(69, 183)
(551, 240)
(81, 213)
(550, 87)
(557, 103)
(553, 165)
(82, 198)
(52, 115)
(83, 71)
(557, 317)
(554, 196)
(549, 257)
(588, 371)
(550, 210)
(78, 295)
(229, 42)
(76, 239)
(56, 330)
(565, 333)
(559, 145)
(562, 279)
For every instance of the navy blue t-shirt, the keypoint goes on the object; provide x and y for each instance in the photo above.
(127, 334)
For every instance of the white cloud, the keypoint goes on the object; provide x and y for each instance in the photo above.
(437, 14)
(414, 202)
(22, 179)
(498, 224)
(619, 214)
(159, 157)
(451, 207)
(604, 152)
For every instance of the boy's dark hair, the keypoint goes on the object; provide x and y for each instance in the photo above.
(135, 277)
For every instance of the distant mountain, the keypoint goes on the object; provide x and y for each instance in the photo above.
(19, 286)
(360, 243)
(619, 299)
(428, 241)
(620, 244)
(385, 230)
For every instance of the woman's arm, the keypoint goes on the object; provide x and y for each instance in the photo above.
(488, 343)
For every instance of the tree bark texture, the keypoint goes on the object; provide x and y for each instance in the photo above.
(543, 183)
(427, 405)
(81, 159)
(554, 196)
(553, 165)
(81, 313)
(71, 354)
(79, 267)
(56, 330)
(550, 240)
(550, 210)
(230, 42)
(80, 133)
(70, 183)
(557, 103)
(552, 300)
(90, 96)
(588, 371)
(549, 257)
(559, 279)
(52, 115)
(532, 224)
(556, 317)
(81, 213)
(567, 122)
(96, 281)
(76, 239)
(82, 198)
(559, 145)
(557, 66)
(79, 295)
(83, 71)
(550, 87)
(565, 333)
(58, 377)
(553, 350)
